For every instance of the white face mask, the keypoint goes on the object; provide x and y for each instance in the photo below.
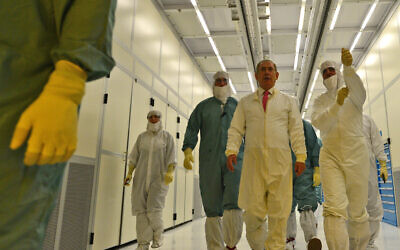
(222, 93)
(331, 83)
(153, 127)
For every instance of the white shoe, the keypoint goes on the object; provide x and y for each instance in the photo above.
(156, 244)
(143, 247)
(290, 243)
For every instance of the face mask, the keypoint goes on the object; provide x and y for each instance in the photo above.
(154, 127)
(331, 83)
(222, 93)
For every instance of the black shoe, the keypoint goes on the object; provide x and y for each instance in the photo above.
(314, 244)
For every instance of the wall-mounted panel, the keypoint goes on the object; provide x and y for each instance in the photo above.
(378, 113)
(122, 57)
(124, 21)
(170, 58)
(108, 203)
(116, 117)
(185, 77)
(389, 45)
(393, 104)
(159, 87)
(147, 34)
(89, 118)
(373, 72)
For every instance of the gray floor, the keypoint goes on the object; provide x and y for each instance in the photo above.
(192, 236)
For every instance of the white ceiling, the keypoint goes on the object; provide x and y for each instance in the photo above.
(244, 41)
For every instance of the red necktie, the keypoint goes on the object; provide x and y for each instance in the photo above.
(265, 99)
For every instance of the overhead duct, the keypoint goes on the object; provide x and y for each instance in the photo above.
(317, 45)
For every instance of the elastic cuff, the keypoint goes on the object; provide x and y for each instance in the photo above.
(230, 152)
(64, 65)
(301, 158)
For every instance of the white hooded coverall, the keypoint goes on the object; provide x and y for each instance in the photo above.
(266, 180)
(151, 155)
(376, 150)
(344, 164)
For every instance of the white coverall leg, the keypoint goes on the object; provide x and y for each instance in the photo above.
(157, 226)
(143, 231)
(308, 224)
(291, 231)
(256, 231)
(214, 236)
(374, 209)
(345, 199)
(232, 222)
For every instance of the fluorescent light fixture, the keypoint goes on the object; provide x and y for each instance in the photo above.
(314, 80)
(335, 16)
(251, 81)
(308, 100)
(232, 87)
(202, 21)
(301, 21)
(355, 41)
(211, 40)
(269, 25)
(371, 10)
(298, 41)
(214, 47)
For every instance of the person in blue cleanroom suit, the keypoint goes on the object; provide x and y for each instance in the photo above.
(48, 50)
(219, 187)
(304, 196)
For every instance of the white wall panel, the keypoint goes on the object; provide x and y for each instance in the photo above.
(374, 77)
(189, 195)
(122, 57)
(108, 204)
(173, 99)
(185, 77)
(116, 117)
(147, 34)
(159, 87)
(180, 195)
(390, 51)
(142, 73)
(89, 118)
(393, 104)
(123, 22)
(170, 58)
(378, 113)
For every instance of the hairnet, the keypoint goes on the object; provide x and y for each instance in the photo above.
(220, 74)
(154, 112)
(327, 64)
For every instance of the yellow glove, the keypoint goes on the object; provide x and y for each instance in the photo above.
(188, 159)
(169, 175)
(51, 120)
(384, 172)
(316, 177)
(129, 176)
(347, 58)
(341, 95)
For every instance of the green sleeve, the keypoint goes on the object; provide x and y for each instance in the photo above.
(84, 28)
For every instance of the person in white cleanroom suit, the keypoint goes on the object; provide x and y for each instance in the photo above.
(376, 151)
(269, 119)
(344, 160)
(153, 158)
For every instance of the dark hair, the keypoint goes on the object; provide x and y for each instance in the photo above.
(266, 60)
